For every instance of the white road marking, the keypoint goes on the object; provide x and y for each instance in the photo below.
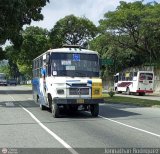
(68, 146)
(9, 104)
(49, 131)
(142, 130)
(139, 129)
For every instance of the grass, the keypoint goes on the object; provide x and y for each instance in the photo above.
(131, 101)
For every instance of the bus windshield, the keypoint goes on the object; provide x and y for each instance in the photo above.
(146, 76)
(75, 64)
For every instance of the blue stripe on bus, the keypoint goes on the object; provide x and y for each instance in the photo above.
(36, 88)
(73, 80)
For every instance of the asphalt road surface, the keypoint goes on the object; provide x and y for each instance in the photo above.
(24, 128)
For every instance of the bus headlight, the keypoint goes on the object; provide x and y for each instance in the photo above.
(60, 91)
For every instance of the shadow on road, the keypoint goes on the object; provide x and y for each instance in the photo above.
(105, 111)
(110, 112)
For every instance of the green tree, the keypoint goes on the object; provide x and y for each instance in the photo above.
(5, 69)
(14, 14)
(72, 30)
(25, 70)
(2, 54)
(12, 56)
(108, 50)
(35, 42)
(135, 26)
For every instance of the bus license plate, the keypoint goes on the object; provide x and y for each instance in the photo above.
(80, 101)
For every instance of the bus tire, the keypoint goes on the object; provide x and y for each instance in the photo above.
(94, 110)
(42, 107)
(128, 91)
(141, 94)
(55, 110)
(50, 101)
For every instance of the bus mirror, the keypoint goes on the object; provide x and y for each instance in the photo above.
(47, 58)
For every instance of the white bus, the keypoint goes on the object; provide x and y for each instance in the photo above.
(140, 82)
(71, 80)
(3, 80)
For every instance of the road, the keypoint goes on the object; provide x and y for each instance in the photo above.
(24, 128)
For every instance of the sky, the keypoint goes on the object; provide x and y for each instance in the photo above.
(94, 10)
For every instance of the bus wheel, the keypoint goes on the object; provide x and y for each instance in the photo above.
(94, 110)
(42, 107)
(50, 101)
(128, 91)
(55, 110)
(37, 99)
(141, 94)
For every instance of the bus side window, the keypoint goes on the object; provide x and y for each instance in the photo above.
(37, 63)
(131, 76)
(49, 70)
(120, 77)
(46, 70)
(123, 77)
(142, 76)
(41, 62)
(149, 76)
(34, 73)
(134, 76)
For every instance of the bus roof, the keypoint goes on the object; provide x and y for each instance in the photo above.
(141, 71)
(69, 50)
(73, 50)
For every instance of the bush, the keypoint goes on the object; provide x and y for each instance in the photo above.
(111, 92)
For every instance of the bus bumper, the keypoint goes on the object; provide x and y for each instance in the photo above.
(144, 91)
(78, 101)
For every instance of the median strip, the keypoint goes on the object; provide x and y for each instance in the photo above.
(131, 101)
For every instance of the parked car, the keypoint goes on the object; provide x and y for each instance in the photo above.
(12, 82)
(3, 80)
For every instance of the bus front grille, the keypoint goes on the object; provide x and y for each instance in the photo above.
(79, 91)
